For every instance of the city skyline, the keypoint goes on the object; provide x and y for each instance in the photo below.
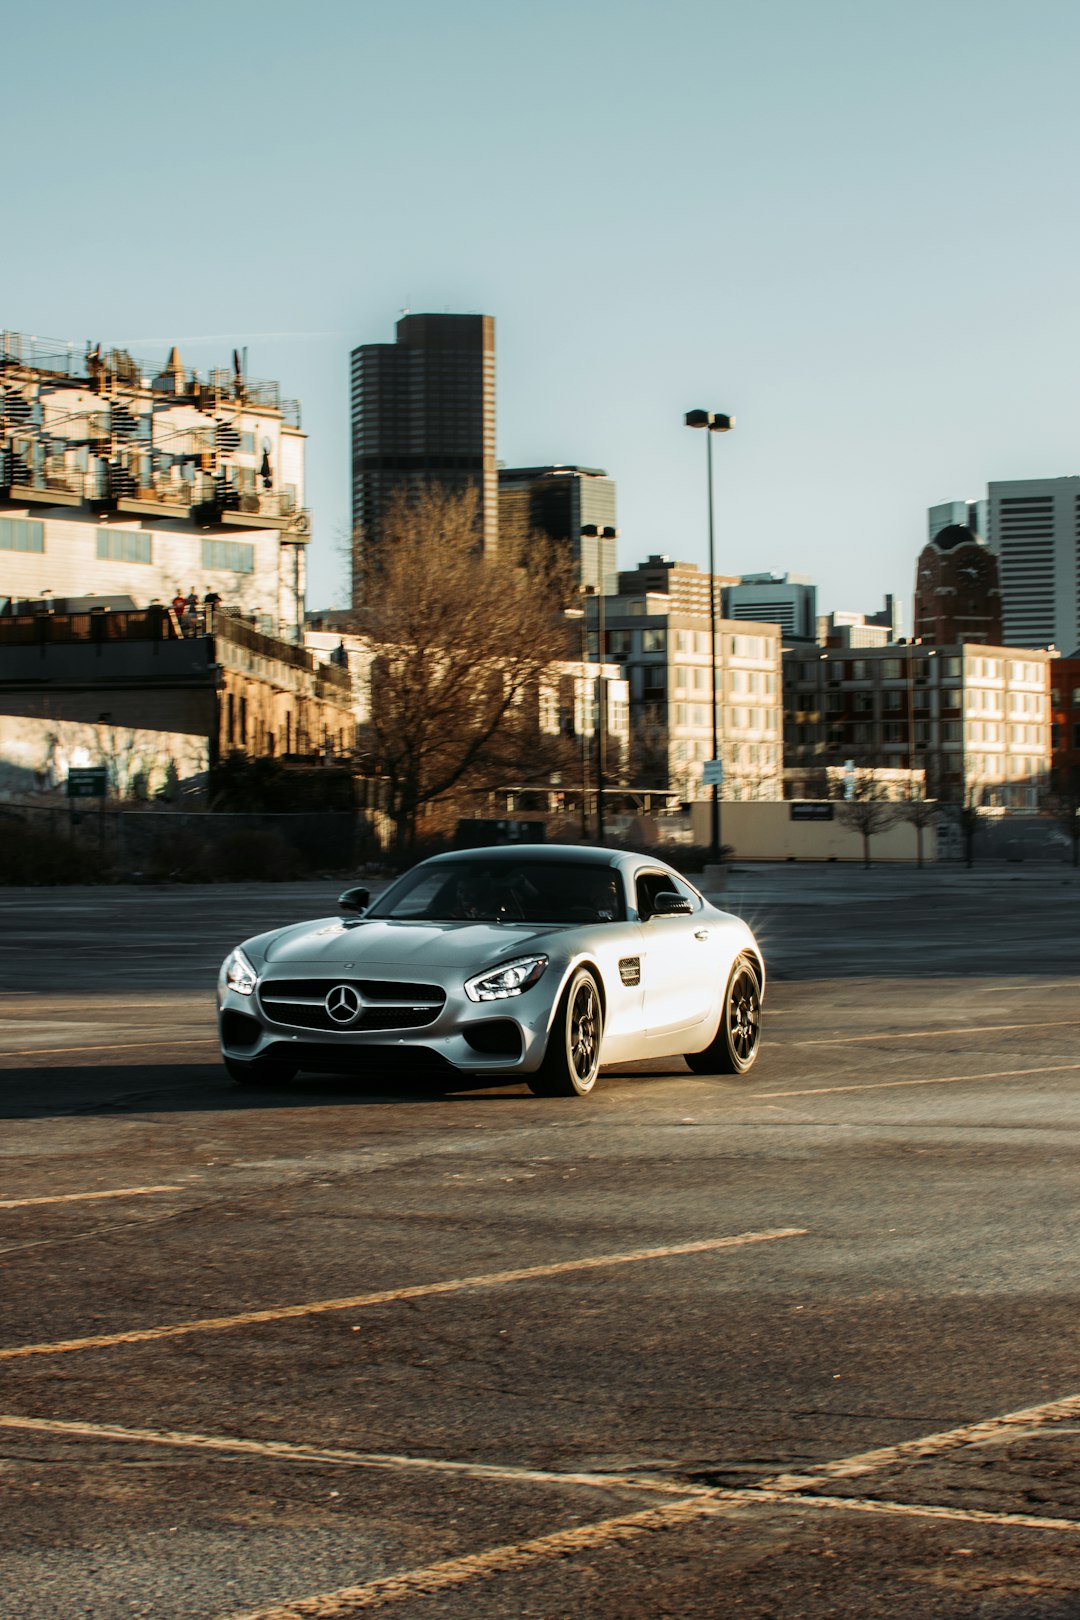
(842, 226)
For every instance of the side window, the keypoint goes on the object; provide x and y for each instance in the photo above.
(650, 884)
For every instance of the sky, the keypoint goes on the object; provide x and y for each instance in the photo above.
(851, 224)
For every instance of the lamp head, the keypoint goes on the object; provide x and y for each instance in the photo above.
(715, 421)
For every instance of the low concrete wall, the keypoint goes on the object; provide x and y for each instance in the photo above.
(766, 830)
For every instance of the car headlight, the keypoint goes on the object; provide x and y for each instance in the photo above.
(239, 974)
(509, 980)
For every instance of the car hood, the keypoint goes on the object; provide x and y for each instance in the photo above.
(429, 946)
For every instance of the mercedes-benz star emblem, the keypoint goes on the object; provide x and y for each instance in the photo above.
(343, 1004)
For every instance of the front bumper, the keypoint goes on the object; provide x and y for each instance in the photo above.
(468, 1037)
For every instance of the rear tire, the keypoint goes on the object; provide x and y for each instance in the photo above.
(572, 1060)
(734, 1047)
(260, 1071)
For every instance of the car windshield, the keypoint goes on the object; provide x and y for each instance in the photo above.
(506, 891)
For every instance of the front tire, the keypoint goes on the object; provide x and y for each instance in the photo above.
(572, 1060)
(260, 1071)
(734, 1047)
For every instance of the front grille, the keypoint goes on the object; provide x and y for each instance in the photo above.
(385, 1003)
(405, 1062)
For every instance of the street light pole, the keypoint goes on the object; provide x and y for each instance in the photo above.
(601, 688)
(713, 422)
(581, 694)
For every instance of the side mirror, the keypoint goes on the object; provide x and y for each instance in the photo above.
(669, 904)
(356, 900)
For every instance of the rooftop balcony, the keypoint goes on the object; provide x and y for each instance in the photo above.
(157, 624)
(131, 484)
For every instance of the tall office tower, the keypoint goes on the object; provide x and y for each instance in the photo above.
(946, 514)
(573, 506)
(423, 413)
(1035, 531)
(789, 600)
(957, 594)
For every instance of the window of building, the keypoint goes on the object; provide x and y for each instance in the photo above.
(619, 643)
(891, 669)
(21, 534)
(858, 669)
(892, 700)
(653, 641)
(124, 545)
(247, 444)
(233, 556)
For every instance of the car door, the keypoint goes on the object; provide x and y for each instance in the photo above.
(676, 961)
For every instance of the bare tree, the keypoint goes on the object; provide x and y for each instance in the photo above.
(867, 811)
(459, 645)
(920, 811)
(962, 806)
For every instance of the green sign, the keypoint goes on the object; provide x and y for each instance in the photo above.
(88, 782)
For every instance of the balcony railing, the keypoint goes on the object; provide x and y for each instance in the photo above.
(117, 367)
(131, 485)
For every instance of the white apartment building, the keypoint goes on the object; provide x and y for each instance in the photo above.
(665, 654)
(120, 479)
(975, 719)
(1034, 527)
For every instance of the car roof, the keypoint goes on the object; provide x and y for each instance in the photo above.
(586, 855)
(578, 854)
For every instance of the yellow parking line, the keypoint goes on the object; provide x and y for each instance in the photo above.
(626, 1527)
(936, 1080)
(494, 1561)
(112, 1046)
(787, 1490)
(940, 1034)
(935, 1445)
(386, 1296)
(79, 1198)
(286, 1451)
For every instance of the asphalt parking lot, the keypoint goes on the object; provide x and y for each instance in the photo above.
(798, 1345)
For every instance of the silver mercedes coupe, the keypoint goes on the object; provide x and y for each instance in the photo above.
(539, 961)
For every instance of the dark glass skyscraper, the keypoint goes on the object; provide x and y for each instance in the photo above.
(423, 412)
(573, 506)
